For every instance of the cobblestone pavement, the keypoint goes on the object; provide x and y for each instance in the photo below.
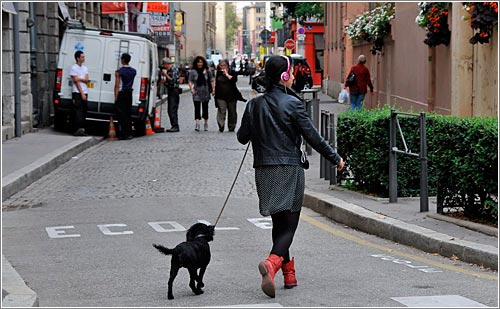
(187, 163)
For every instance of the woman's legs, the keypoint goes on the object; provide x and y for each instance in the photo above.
(204, 105)
(197, 114)
(221, 114)
(285, 224)
(232, 116)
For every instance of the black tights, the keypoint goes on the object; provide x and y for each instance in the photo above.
(284, 226)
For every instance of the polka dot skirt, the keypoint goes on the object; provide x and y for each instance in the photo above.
(279, 187)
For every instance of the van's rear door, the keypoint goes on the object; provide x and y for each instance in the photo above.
(115, 47)
(93, 48)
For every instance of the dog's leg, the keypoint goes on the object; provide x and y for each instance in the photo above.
(193, 276)
(200, 277)
(174, 269)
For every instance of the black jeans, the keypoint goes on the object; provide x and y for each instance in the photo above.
(173, 107)
(79, 112)
(123, 106)
(197, 105)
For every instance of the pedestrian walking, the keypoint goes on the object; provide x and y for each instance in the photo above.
(80, 77)
(124, 81)
(252, 67)
(202, 85)
(299, 77)
(169, 84)
(275, 123)
(361, 79)
(226, 94)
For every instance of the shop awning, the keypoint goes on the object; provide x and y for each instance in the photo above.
(64, 10)
(9, 7)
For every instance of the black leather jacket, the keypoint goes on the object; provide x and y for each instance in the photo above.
(274, 123)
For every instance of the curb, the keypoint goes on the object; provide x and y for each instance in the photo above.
(488, 230)
(408, 234)
(18, 293)
(18, 180)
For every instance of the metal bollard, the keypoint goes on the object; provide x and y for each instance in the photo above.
(333, 142)
(321, 159)
(327, 137)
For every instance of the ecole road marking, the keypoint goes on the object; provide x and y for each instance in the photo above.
(365, 243)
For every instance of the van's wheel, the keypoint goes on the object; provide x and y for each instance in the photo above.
(60, 121)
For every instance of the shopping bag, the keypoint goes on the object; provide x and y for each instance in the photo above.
(343, 96)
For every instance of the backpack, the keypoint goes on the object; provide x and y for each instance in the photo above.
(351, 79)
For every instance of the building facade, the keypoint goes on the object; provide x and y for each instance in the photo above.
(200, 25)
(459, 79)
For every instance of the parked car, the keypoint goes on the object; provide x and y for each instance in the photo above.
(103, 49)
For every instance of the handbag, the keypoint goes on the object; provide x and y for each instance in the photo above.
(304, 162)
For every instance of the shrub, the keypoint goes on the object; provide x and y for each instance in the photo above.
(462, 158)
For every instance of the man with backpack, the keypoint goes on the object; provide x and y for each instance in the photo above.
(357, 80)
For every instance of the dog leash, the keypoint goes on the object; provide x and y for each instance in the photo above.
(232, 186)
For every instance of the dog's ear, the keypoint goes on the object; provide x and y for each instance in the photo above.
(211, 232)
(190, 234)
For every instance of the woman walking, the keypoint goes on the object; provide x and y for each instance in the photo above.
(226, 95)
(202, 85)
(275, 123)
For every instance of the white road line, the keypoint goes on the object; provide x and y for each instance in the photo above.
(438, 301)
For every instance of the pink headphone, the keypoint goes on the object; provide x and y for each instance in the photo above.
(285, 76)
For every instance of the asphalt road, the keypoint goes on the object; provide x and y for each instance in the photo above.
(87, 242)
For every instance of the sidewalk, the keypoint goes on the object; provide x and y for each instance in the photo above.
(27, 159)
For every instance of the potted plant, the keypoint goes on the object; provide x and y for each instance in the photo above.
(433, 17)
(372, 26)
(483, 18)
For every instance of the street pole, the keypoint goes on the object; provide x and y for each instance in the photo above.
(125, 22)
(17, 74)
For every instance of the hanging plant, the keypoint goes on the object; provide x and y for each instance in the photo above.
(372, 26)
(433, 17)
(483, 17)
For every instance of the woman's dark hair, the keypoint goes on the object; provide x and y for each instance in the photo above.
(195, 63)
(275, 66)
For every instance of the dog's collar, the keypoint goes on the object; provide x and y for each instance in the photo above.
(200, 235)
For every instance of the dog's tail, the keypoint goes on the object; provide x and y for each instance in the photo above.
(163, 249)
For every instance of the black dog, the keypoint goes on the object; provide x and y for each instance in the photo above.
(192, 254)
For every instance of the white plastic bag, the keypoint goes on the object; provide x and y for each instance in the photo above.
(343, 96)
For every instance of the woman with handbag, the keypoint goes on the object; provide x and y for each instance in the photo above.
(202, 85)
(275, 123)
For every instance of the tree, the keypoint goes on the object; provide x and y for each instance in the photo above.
(232, 24)
(303, 10)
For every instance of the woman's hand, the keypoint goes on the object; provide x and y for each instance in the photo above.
(341, 165)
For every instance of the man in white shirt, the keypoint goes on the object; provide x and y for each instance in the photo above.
(80, 76)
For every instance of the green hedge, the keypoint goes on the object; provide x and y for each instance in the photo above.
(462, 157)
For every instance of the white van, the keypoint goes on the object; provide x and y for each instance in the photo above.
(103, 49)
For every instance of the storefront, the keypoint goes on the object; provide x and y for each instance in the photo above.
(310, 34)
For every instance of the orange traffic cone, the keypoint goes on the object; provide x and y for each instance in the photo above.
(149, 130)
(157, 125)
(112, 132)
